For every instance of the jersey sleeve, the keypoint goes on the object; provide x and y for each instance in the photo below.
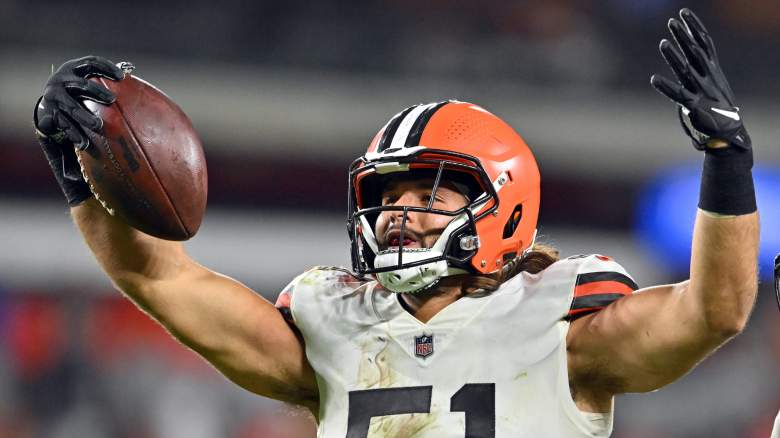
(319, 281)
(600, 281)
(284, 300)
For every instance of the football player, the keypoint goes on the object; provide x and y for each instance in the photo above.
(452, 321)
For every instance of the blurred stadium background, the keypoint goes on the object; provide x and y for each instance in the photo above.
(285, 95)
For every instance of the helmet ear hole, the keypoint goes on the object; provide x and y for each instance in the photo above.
(514, 219)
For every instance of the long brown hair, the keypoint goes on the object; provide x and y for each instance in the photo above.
(536, 260)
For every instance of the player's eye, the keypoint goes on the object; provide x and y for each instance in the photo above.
(389, 199)
(427, 198)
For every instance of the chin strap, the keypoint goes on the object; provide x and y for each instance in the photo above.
(416, 278)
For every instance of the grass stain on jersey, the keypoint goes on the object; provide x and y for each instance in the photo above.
(403, 425)
(374, 370)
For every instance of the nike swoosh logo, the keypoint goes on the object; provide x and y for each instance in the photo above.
(730, 114)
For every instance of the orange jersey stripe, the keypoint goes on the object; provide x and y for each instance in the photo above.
(583, 310)
(601, 287)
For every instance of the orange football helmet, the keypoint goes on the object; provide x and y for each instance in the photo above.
(457, 142)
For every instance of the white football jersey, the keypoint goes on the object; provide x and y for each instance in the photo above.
(776, 429)
(492, 366)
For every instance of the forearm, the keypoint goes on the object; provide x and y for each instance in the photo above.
(146, 269)
(233, 328)
(724, 264)
(129, 257)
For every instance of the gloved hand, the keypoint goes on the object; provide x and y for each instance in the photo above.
(706, 103)
(61, 119)
(709, 116)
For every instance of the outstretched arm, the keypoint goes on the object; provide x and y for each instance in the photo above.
(235, 329)
(647, 340)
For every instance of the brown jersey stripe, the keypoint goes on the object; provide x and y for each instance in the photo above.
(585, 310)
(286, 314)
(596, 300)
(283, 305)
(592, 277)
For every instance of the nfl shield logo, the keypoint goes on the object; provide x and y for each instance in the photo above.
(423, 346)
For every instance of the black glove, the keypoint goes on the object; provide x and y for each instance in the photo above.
(707, 112)
(61, 119)
(706, 102)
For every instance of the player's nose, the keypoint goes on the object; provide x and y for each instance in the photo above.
(407, 199)
(397, 216)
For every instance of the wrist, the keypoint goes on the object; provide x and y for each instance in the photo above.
(727, 182)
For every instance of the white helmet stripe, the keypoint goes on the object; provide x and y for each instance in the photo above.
(401, 134)
(388, 132)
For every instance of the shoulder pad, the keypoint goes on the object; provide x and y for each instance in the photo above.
(325, 275)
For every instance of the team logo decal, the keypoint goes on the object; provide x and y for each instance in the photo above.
(423, 346)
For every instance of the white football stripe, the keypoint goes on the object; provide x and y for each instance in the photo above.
(399, 139)
(730, 114)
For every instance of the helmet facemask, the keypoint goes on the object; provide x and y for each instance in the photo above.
(404, 269)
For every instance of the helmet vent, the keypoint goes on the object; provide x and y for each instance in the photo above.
(514, 219)
(467, 127)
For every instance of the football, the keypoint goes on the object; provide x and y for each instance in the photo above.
(146, 166)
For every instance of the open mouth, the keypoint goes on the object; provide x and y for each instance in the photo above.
(393, 239)
(396, 241)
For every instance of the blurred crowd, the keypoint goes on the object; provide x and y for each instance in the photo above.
(561, 43)
(85, 365)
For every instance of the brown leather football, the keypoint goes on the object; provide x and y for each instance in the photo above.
(147, 165)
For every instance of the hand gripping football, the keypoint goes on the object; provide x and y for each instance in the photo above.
(147, 165)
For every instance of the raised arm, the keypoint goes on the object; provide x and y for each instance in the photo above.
(235, 329)
(651, 338)
(647, 340)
